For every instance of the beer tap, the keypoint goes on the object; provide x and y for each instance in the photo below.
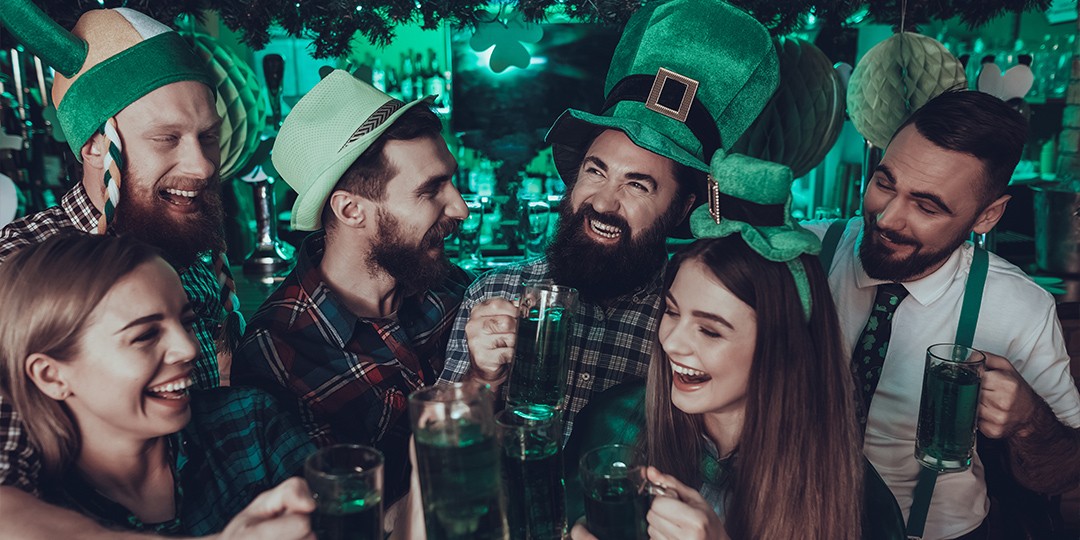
(270, 256)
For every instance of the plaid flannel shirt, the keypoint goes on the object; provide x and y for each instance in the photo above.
(609, 343)
(352, 375)
(19, 465)
(239, 443)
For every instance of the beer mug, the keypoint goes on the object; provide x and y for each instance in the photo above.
(346, 481)
(617, 493)
(949, 408)
(530, 439)
(458, 462)
(538, 374)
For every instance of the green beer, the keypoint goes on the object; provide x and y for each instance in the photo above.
(540, 369)
(356, 519)
(533, 484)
(460, 484)
(615, 509)
(949, 408)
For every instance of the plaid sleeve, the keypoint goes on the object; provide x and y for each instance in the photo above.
(258, 363)
(200, 284)
(19, 464)
(457, 350)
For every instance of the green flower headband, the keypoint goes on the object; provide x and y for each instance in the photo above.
(752, 198)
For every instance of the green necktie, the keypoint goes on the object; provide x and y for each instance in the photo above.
(873, 343)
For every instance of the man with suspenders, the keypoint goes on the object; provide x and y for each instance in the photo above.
(904, 278)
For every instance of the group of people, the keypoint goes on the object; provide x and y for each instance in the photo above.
(751, 368)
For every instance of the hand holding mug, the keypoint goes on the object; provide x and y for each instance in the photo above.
(491, 333)
(1006, 401)
(679, 512)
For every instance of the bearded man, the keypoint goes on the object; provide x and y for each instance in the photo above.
(901, 276)
(362, 320)
(634, 171)
(137, 107)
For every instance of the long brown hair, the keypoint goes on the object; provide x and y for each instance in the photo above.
(798, 470)
(47, 293)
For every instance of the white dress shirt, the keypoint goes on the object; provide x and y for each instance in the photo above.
(1018, 320)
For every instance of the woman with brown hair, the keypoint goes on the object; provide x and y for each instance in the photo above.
(96, 351)
(747, 417)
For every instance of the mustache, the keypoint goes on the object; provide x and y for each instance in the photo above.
(441, 230)
(892, 236)
(587, 212)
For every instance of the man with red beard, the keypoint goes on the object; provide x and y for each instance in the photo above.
(942, 178)
(634, 172)
(137, 107)
(362, 320)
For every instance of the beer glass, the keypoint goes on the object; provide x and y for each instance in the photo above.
(532, 472)
(346, 481)
(617, 494)
(948, 411)
(458, 462)
(540, 368)
(535, 214)
(468, 232)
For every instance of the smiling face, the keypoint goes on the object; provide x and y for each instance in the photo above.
(709, 337)
(613, 227)
(421, 207)
(170, 194)
(921, 204)
(132, 370)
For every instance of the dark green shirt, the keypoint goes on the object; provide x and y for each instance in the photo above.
(239, 443)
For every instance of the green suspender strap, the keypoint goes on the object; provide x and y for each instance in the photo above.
(965, 333)
(830, 242)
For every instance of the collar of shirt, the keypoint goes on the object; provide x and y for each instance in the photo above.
(77, 205)
(310, 280)
(925, 290)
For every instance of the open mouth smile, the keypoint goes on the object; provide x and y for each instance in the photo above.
(604, 230)
(179, 197)
(688, 376)
(175, 389)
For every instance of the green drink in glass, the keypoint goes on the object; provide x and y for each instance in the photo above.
(540, 368)
(532, 472)
(346, 481)
(948, 411)
(617, 495)
(458, 462)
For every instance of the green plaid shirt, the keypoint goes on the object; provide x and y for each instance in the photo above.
(19, 465)
(239, 443)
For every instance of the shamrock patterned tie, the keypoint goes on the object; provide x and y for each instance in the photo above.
(873, 343)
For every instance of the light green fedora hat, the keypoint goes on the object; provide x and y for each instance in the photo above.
(327, 130)
(688, 77)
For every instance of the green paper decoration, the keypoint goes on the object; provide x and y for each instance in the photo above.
(806, 114)
(506, 35)
(241, 102)
(896, 77)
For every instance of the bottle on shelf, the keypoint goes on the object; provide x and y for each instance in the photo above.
(408, 90)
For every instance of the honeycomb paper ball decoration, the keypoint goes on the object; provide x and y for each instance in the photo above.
(241, 102)
(804, 117)
(896, 77)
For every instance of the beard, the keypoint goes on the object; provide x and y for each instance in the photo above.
(145, 216)
(412, 266)
(602, 272)
(880, 263)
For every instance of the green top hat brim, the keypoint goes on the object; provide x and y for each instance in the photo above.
(574, 130)
(307, 211)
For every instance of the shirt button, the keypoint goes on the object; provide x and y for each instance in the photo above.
(585, 376)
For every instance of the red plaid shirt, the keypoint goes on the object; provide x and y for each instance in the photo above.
(351, 374)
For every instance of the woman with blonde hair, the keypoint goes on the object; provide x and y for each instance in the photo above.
(96, 349)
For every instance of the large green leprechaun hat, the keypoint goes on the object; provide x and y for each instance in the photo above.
(686, 80)
(110, 59)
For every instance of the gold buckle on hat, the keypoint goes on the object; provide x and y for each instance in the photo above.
(714, 198)
(653, 101)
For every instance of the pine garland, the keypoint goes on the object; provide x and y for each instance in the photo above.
(333, 23)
